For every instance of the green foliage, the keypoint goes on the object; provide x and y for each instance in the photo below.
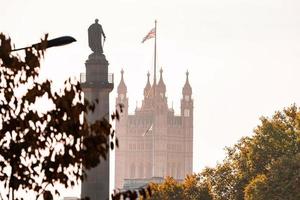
(40, 149)
(264, 166)
(222, 180)
(169, 189)
(193, 187)
(281, 182)
(254, 188)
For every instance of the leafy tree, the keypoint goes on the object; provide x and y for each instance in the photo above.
(222, 179)
(40, 149)
(254, 188)
(280, 183)
(168, 190)
(274, 138)
(193, 187)
(261, 166)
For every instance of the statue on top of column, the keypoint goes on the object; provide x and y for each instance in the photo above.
(95, 32)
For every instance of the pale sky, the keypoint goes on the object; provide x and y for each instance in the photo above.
(243, 55)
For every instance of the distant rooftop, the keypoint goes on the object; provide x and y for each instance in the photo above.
(132, 184)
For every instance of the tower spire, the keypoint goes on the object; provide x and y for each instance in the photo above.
(122, 88)
(161, 87)
(187, 89)
(147, 88)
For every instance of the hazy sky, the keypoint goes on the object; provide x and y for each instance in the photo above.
(243, 55)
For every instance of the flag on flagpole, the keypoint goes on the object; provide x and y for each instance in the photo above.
(151, 34)
(149, 129)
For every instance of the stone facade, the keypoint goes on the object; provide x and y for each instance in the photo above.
(154, 142)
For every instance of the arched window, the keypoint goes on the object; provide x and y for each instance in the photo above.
(178, 171)
(187, 97)
(173, 170)
(141, 171)
(169, 172)
(132, 170)
(148, 170)
(186, 112)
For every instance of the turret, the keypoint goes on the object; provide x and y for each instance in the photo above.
(121, 130)
(161, 87)
(147, 103)
(187, 123)
(147, 88)
(122, 88)
(122, 95)
(187, 89)
(186, 101)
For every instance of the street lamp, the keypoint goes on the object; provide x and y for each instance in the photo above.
(60, 41)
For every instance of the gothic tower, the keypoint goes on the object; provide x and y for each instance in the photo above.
(97, 85)
(122, 126)
(160, 117)
(154, 142)
(187, 122)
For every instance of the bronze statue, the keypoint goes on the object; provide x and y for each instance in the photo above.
(95, 37)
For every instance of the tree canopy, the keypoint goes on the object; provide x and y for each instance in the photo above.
(43, 148)
(264, 166)
(192, 187)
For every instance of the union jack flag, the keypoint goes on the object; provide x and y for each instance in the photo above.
(151, 34)
(148, 130)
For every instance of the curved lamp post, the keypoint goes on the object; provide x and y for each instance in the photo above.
(60, 41)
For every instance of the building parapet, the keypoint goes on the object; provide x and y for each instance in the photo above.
(109, 83)
(110, 78)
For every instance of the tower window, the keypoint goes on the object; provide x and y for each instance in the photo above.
(187, 97)
(186, 112)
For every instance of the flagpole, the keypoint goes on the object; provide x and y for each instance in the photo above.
(154, 104)
(155, 54)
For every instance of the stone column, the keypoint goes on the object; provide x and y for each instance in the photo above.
(98, 85)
